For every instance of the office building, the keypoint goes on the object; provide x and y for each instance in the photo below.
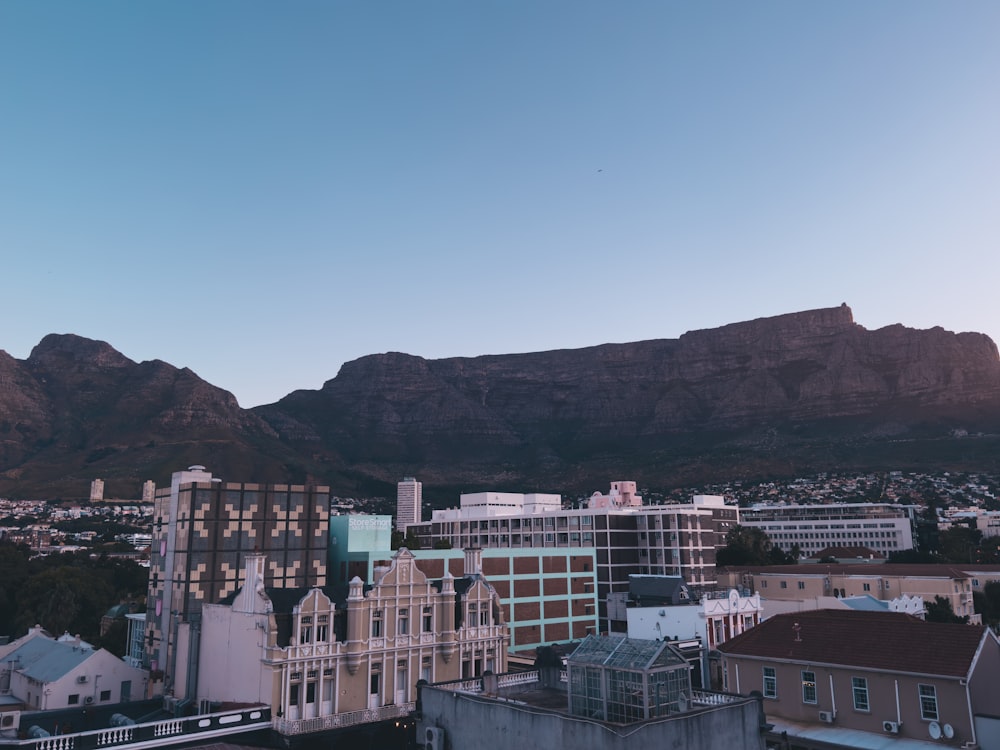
(202, 530)
(409, 497)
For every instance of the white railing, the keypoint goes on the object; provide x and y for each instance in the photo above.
(289, 727)
(703, 698)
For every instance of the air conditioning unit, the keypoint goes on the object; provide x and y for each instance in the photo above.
(434, 737)
(89, 699)
(826, 717)
(82, 678)
(892, 727)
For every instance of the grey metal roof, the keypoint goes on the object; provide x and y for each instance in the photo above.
(45, 660)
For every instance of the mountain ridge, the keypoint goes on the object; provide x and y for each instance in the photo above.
(795, 393)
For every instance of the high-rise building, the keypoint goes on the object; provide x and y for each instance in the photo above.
(203, 529)
(148, 491)
(409, 495)
(97, 490)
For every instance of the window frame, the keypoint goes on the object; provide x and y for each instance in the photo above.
(859, 689)
(921, 697)
(770, 682)
(809, 684)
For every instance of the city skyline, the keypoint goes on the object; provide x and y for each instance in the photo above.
(200, 183)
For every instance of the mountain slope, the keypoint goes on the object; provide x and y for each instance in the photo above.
(783, 396)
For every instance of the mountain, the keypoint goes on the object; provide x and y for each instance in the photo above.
(775, 397)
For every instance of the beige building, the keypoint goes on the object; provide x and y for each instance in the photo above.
(885, 582)
(833, 678)
(316, 654)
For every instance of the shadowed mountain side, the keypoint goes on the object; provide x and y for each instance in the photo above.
(774, 397)
(798, 392)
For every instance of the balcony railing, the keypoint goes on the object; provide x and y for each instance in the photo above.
(153, 733)
(290, 727)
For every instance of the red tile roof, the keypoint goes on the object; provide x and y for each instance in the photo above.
(869, 640)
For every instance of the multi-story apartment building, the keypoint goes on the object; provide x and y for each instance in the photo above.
(883, 581)
(409, 499)
(628, 538)
(881, 527)
(837, 678)
(202, 530)
(313, 654)
(548, 595)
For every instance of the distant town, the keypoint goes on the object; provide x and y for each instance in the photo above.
(822, 612)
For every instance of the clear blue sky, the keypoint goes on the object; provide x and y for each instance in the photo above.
(261, 191)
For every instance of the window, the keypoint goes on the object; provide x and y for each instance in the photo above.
(802, 584)
(377, 623)
(484, 615)
(105, 695)
(784, 584)
(859, 687)
(305, 633)
(428, 620)
(770, 683)
(867, 587)
(321, 629)
(74, 699)
(403, 625)
(293, 694)
(809, 687)
(928, 702)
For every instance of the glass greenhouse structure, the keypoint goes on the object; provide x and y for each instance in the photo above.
(622, 680)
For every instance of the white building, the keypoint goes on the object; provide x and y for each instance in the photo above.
(409, 497)
(44, 673)
(629, 538)
(97, 490)
(882, 527)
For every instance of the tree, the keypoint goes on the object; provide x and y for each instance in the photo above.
(940, 611)
(960, 544)
(748, 545)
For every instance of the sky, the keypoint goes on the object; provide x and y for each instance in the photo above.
(262, 191)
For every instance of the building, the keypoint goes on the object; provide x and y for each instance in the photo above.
(548, 595)
(202, 530)
(97, 490)
(834, 679)
(885, 582)
(628, 538)
(44, 673)
(882, 527)
(409, 501)
(663, 608)
(616, 694)
(315, 655)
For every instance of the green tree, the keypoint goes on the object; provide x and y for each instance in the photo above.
(65, 599)
(940, 611)
(960, 544)
(748, 545)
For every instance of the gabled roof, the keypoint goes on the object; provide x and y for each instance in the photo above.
(46, 660)
(625, 653)
(889, 641)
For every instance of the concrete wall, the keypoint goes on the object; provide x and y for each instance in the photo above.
(471, 721)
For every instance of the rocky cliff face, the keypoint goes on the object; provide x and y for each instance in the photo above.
(794, 394)
(757, 396)
(77, 409)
